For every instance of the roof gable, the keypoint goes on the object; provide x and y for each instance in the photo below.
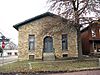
(33, 19)
(94, 23)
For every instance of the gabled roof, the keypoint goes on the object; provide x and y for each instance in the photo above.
(33, 19)
(85, 29)
(96, 22)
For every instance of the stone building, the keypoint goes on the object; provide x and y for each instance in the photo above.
(46, 37)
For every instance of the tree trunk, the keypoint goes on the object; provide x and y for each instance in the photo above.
(79, 44)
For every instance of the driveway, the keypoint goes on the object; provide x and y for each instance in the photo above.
(7, 59)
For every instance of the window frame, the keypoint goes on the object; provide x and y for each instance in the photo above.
(31, 37)
(64, 41)
(93, 32)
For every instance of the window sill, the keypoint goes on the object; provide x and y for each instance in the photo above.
(65, 51)
(31, 52)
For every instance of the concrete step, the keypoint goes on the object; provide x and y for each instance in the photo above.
(48, 56)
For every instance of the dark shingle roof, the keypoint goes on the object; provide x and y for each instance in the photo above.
(33, 19)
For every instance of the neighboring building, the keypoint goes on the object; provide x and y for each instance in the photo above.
(91, 38)
(10, 48)
(46, 37)
(10, 52)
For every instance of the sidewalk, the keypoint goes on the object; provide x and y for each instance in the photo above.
(9, 57)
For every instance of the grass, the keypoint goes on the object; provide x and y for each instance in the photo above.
(64, 65)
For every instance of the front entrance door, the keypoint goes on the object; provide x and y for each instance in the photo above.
(48, 44)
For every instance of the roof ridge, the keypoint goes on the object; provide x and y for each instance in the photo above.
(16, 26)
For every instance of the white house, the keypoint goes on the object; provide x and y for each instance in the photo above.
(10, 52)
(10, 48)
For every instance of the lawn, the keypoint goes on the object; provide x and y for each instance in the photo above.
(37, 66)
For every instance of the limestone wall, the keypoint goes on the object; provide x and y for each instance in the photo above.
(47, 26)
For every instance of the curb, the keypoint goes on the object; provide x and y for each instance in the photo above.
(49, 72)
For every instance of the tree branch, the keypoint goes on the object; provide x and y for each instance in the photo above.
(82, 9)
(77, 4)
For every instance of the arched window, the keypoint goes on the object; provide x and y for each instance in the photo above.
(48, 44)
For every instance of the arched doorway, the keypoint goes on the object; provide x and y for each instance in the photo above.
(48, 44)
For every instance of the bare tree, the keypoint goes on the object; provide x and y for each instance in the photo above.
(76, 10)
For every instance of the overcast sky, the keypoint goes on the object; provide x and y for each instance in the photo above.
(15, 11)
